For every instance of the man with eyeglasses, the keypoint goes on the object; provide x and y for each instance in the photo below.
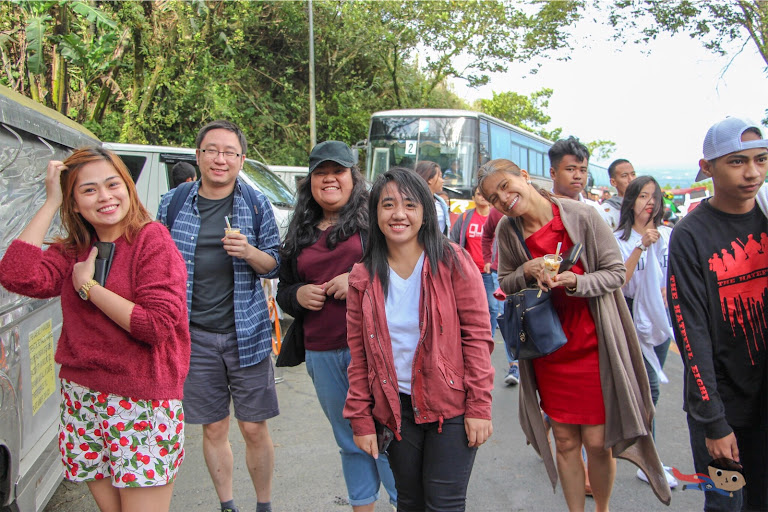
(229, 320)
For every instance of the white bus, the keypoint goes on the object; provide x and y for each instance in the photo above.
(459, 141)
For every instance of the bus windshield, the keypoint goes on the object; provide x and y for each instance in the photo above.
(451, 142)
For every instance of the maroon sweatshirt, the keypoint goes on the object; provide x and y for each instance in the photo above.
(150, 362)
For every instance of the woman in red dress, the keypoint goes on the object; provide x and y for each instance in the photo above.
(594, 389)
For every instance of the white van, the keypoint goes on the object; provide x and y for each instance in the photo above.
(290, 174)
(151, 166)
(30, 461)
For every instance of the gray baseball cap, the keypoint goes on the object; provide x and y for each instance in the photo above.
(724, 138)
(333, 150)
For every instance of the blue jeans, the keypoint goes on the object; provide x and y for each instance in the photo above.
(491, 283)
(495, 306)
(653, 377)
(362, 473)
(753, 451)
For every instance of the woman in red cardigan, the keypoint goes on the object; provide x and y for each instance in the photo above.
(420, 340)
(124, 345)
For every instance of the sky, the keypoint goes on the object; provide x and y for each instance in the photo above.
(655, 101)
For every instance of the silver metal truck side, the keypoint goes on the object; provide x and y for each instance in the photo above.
(30, 462)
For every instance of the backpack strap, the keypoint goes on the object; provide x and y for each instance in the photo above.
(251, 199)
(180, 195)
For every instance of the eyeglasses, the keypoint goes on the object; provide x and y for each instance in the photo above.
(213, 153)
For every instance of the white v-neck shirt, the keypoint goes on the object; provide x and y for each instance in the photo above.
(402, 309)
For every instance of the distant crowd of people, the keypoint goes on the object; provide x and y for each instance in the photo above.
(395, 309)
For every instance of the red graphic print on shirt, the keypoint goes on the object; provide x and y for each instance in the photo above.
(742, 277)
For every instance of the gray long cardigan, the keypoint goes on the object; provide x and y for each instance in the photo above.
(628, 406)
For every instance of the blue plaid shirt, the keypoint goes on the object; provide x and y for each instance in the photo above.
(252, 324)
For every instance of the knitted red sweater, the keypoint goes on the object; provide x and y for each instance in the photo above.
(150, 362)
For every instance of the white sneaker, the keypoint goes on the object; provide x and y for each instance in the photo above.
(671, 480)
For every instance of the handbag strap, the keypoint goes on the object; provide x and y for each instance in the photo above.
(522, 240)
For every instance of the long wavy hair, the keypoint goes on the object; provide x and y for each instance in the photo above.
(80, 233)
(353, 217)
(627, 215)
(507, 166)
(436, 246)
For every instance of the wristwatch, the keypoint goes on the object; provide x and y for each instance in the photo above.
(83, 291)
(639, 245)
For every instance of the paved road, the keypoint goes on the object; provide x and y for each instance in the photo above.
(507, 476)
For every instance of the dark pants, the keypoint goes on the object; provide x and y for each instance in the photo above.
(431, 469)
(753, 451)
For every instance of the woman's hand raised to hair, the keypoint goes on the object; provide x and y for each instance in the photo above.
(53, 192)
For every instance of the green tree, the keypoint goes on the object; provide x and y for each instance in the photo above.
(56, 52)
(524, 111)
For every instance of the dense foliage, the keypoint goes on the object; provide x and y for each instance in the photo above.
(154, 72)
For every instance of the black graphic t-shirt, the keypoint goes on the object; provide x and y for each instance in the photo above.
(718, 299)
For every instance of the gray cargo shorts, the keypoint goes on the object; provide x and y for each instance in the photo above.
(215, 376)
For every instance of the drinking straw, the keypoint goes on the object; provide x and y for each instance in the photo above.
(557, 251)
(226, 219)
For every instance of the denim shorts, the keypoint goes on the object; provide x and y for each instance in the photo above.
(134, 443)
(216, 377)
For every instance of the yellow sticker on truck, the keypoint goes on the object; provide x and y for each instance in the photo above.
(42, 371)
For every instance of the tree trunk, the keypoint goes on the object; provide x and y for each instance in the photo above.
(59, 75)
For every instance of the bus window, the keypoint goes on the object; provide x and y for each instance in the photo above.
(485, 144)
(521, 155)
(535, 162)
(404, 141)
(500, 146)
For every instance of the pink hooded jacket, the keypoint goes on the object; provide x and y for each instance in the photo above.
(452, 371)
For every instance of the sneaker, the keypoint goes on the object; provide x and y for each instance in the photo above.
(513, 375)
(671, 480)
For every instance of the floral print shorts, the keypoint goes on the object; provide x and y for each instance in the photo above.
(135, 443)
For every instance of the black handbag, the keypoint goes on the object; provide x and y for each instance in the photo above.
(530, 325)
(292, 352)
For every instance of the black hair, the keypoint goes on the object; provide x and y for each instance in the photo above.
(181, 172)
(427, 169)
(302, 232)
(614, 165)
(727, 464)
(569, 146)
(436, 246)
(627, 216)
(222, 124)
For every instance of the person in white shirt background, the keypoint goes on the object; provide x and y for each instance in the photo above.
(645, 253)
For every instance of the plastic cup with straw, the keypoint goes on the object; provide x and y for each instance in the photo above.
(552, 263)
(229, 230)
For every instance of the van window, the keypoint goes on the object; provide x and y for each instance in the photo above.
(269, 184)
(135, 164)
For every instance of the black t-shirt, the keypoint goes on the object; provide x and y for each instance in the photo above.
(213, 304)
(718, 298)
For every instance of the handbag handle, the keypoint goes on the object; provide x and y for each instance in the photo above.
(522, 240)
